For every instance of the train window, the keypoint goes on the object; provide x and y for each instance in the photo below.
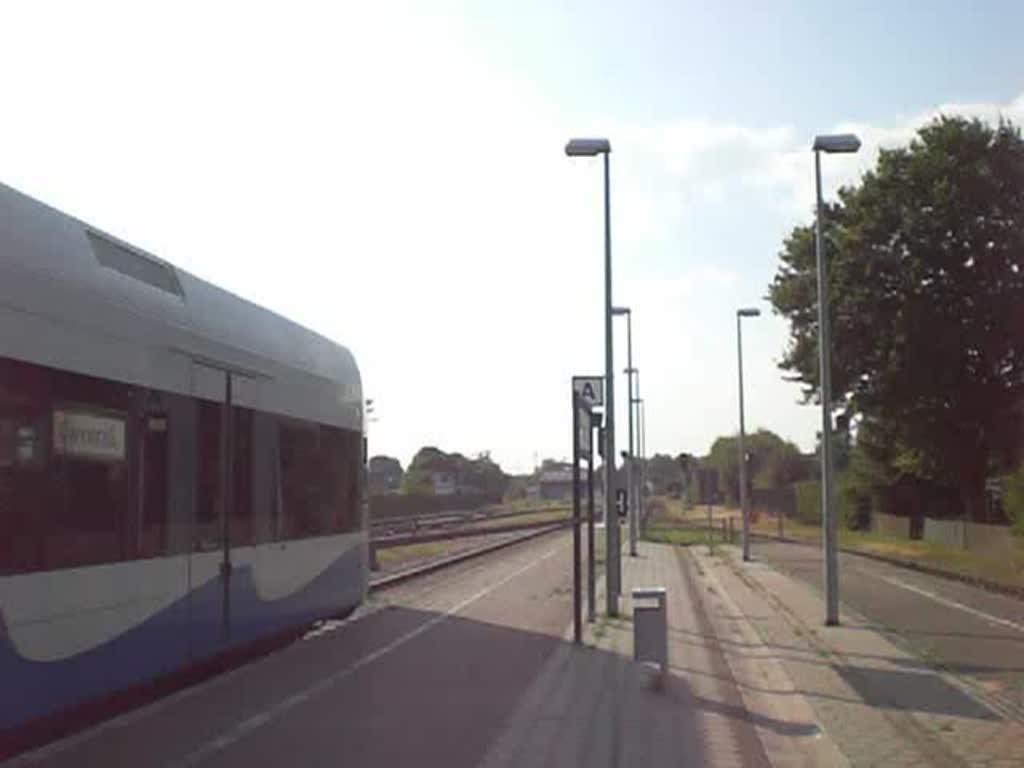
(343, 452)
(320, 479)
(242, 532)
(24, 409)
(302, 480)
(207, 533)
(67, 488)
(154, 489)
(91, 513)
(93, 510)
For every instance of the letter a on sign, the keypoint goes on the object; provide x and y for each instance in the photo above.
(590, 390)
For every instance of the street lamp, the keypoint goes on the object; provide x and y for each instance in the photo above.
(642, 444)
(831, 144)
(640, 469)
(591, 148)
(630, 484)
(744, 502)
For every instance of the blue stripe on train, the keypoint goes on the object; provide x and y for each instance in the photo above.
(165, 642)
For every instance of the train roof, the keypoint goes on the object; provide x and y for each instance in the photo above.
(56, 265)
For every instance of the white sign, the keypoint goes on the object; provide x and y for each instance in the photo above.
(583, 439)
(88, 435)
(590, 390)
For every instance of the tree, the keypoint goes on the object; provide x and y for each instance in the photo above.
(481, 475)
(663, 472)
(385, 465)
(418, 479)
(724, 459)
(926, 284)
(385, 474)
(554, 465)
(485, 474)
(688, 465)
(772, 462)
(417, 482)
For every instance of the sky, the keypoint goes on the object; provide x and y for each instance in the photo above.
(392, 175)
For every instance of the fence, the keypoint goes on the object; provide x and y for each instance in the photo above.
(976, 537)
(948, 533)
(408, 505)
(891, 525)
(990, 538)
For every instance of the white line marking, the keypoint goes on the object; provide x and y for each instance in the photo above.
(953, 604)
(239, 731)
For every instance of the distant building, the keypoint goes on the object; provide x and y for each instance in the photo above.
(446, 483)
(385, 475)
(555, 485)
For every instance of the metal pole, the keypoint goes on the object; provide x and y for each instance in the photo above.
(591, 568)
(611, 517)
(577, 626)
(633, 501)
(639, 468)
(711, 523)
(744, 511)
(642, 422)
(709, 497)
(227, 498)
(828, 510)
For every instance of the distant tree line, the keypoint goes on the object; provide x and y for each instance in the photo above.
(470, 475)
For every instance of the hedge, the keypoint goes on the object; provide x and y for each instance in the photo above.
(1013, 500)
(853, 508)
(808, 502)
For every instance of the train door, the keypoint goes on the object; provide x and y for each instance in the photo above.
(222, 528)
(210, 566)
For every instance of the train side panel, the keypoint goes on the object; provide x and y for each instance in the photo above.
(70, 636)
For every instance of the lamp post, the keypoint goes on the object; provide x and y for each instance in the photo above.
(744, 501)
(630, 480)
(592, 148)
(595, 425)
(642, 446)
(830, 144)
(639, 469)
(634, 471)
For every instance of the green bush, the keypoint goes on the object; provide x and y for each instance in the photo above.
(417, 483)
(854, 503)
(852, 506)
(1013, 500)
(808, 502)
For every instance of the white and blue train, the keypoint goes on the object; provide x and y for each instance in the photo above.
(181, 471)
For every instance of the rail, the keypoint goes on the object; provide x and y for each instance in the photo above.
(398, 524)
(392, 579)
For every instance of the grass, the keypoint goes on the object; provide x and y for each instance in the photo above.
(423, 551)
(552, 515)
(672, 522)
(534, 504)
(599, 549)
(1002, 568)
(683, 537)
(999, 567)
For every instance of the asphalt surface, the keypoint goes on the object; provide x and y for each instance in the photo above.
(962, 629)
(428, 673)
(425, 675)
